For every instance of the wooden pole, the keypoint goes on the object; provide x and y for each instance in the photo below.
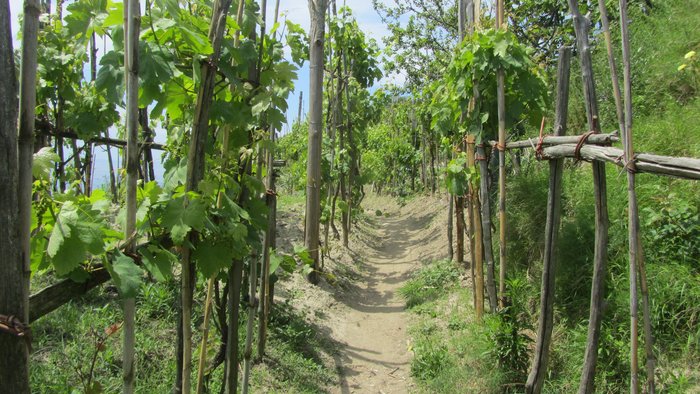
(478, 240)
(679, 167)
(195, 171)
(269, 240)
(501, 98)
(594, 139)
(601, 206)
(14, 350)
(25, 148)
(132, 21)
(253, 268)
(635, 247)
(317, 8)
(219, 204)
(556, 168)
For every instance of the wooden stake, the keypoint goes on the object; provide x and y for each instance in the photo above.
(601, 206)
(635, 252)
(317, 8)
(195, 171)
(132, 21)
(556, 168)
(14, 352)
(478, 240)
(219, 203)
(501, 97)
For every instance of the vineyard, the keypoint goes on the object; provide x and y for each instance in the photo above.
(493, 196)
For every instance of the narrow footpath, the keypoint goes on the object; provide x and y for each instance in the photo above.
(375, 353)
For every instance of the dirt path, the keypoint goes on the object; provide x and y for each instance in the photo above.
(375, 355)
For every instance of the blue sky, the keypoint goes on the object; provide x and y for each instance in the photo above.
(294, 10)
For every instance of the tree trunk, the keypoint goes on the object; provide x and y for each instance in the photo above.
(317, 9)
(14, 352)
(556, 168)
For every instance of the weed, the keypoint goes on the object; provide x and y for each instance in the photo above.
(429, 282)
(430, 359)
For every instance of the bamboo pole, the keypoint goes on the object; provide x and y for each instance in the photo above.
(485, 216)
(132, 22)
(601, 208)
(538, 371)
(501, 98)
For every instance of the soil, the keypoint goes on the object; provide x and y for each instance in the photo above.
(358, 303)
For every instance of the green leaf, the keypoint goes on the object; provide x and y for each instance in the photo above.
(158, 262)
(212, 257)
(126, 275)
(179, 220)
(43, 163)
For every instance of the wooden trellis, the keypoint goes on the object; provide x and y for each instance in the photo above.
(594, 146)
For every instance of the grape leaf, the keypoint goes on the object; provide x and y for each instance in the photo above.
(213, 257)
(179, 220)
(126, 275)
(158, 262)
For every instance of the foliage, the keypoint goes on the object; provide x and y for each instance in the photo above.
(475, 64)
(458, 175)
(509, 345)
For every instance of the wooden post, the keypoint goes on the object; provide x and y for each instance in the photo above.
(601, 206)
(317, 8)
(269, 240)
(485, 216)
(253, 267)
(14, 350)
(635, 248)
(556, 168)
(25, 148)
(459, 219)
(132, 13)
(478, 240)
(501, 98)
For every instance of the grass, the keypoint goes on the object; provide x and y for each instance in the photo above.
(66, 340)
(451, 352)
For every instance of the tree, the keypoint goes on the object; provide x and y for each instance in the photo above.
(422, 46)
(317, 8)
